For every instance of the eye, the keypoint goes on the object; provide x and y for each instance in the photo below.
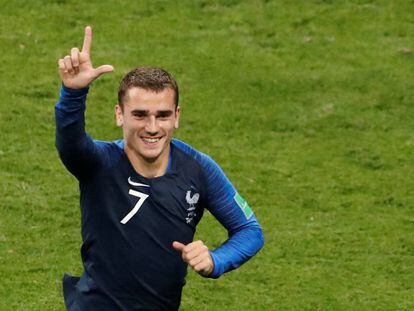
(164, 115)
(139, 114)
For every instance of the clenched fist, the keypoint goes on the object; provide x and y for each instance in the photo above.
(197, 255)
(76, 70)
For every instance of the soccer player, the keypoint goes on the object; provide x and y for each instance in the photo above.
(141, 197)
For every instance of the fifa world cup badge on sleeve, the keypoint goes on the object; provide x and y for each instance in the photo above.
(243, 205)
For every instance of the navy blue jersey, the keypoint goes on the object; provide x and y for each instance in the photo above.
(129, 222)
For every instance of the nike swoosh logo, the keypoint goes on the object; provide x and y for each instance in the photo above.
(137, 184)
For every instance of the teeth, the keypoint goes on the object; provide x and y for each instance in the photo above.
(151, 140)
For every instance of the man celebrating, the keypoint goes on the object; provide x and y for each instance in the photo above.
(141, 197)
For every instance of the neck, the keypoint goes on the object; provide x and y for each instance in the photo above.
(148, 168)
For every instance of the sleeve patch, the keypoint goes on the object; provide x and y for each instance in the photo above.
(243, 205)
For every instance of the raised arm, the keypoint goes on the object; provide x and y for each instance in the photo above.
(76, 149)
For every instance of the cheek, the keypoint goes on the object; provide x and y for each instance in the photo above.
(169, 128)
(130, 129)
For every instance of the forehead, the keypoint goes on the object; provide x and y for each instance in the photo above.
(139, 98)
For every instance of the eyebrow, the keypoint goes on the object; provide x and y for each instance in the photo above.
(165, 113)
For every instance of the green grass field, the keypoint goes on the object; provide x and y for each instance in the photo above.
(307, 106)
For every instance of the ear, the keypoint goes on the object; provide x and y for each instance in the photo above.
(119, 116)
(177, 117)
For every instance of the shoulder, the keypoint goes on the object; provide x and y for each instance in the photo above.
(111, 151)
(190, 152)
(212, 172)
(115, 146)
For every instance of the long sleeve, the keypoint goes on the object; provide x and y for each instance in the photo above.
(233, 212)
(78, 152)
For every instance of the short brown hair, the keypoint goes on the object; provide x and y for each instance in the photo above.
(148, 78)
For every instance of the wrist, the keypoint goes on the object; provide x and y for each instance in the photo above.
(67, 92)
(215, 271)
(75, 90)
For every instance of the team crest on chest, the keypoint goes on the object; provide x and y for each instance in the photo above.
(192, 200)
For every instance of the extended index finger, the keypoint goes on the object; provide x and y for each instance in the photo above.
(87, 40)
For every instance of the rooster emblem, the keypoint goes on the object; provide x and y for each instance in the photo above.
(192, 201)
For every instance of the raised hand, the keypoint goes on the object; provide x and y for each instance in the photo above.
(197, 255)
(76, 70)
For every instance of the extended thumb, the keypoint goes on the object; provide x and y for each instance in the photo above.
(178, 246)
(104, 69)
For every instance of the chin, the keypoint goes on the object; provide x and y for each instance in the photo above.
(150, 155)
(147, 153)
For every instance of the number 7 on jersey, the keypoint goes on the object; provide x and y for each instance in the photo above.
(142, 197)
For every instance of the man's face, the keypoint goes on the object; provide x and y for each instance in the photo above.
(148, 120)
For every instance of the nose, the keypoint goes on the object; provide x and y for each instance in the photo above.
(151, 125)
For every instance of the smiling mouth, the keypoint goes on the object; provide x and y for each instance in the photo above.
(151, 140)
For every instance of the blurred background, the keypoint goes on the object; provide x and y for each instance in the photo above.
(306, 105)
